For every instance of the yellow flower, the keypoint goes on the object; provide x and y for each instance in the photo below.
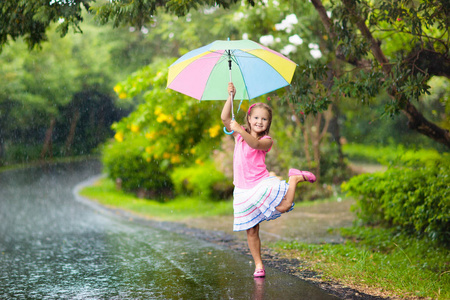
(198, 161)
(175, 159)
(193, 150)
(148, 149)
(122, 95)
(161, 118)
(166, 155)
(158, 111)
(214, 131)
(119, 137)
(148, 159)
(150, 135)
(117, 89)
(134, 128)
(178, 117)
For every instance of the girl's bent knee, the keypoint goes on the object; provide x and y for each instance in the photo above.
(282, 208)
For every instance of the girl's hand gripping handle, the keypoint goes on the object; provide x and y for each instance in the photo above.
(232, 92)
(226, 131)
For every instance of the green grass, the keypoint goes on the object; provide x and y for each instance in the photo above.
(55, 160)
(387, 154)
(105, 193)
(381, 261)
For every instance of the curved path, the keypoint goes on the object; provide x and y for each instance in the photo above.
(53, 246)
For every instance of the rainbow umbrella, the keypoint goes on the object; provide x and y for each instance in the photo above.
(255, 70)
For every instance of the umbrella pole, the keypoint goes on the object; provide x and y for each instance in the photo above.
(231, 94)
(232, 100)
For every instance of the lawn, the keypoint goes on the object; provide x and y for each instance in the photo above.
(105, 193)
(379, 262)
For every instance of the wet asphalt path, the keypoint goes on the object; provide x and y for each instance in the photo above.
(53, 246)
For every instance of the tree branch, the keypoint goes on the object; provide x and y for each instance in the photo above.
(427, 59)
(374, 45)
(418, 122)
(326, 21)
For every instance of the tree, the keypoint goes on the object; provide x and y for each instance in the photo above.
(396, 46)
(59, 100)
(31, 19)
(36, 86)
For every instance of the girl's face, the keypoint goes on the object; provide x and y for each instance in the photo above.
(258, 120)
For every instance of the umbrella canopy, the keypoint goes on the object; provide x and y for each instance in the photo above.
(255, 70)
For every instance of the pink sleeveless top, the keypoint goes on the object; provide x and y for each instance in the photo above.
(249, 165)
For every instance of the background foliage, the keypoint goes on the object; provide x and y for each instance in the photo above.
(166, 131)
(349, 87)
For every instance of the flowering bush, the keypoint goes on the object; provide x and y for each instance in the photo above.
(168, 129)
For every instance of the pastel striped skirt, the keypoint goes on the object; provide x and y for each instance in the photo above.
(252, 206)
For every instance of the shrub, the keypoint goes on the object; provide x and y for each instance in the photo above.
(202, 180)
(124, 161)
(415, 198)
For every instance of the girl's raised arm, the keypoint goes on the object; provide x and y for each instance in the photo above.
(226, 111)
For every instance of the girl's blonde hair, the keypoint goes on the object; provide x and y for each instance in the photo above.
(249, 113)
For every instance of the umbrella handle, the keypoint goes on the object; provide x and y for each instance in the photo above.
(226, 131)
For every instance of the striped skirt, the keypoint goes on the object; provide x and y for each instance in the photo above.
(252, 206)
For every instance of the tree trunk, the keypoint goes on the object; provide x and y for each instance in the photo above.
(335, 132)
(1, 151)
(315, 136)
(318, 134)
(71, 135)
(48, 145)
(305, 134)
(306, 146)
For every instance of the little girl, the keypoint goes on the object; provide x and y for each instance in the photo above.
(258, 196)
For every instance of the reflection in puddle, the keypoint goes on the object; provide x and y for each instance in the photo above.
(258, 290)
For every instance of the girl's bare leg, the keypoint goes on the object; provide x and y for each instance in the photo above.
(254, 244)
(288, 199)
